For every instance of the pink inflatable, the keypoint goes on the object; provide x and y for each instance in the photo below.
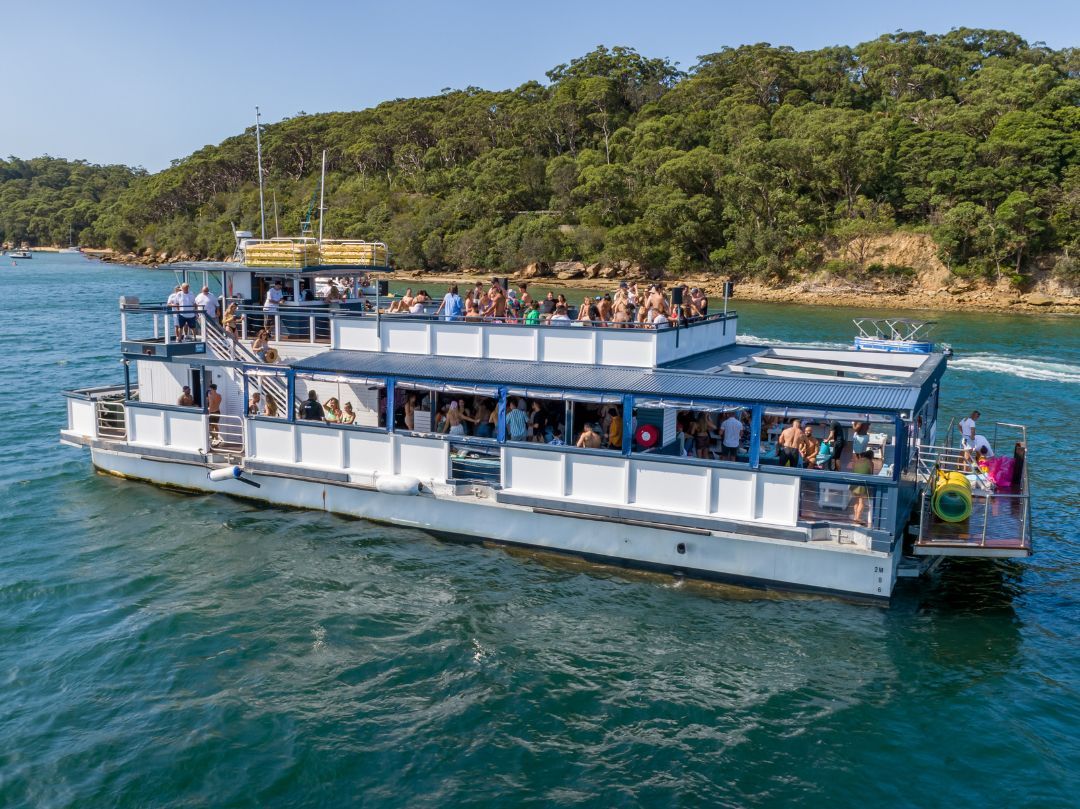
(1000, 470)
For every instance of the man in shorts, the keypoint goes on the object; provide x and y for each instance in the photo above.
(213, 407)
(185, 303)
(789, 443)
(731, 435)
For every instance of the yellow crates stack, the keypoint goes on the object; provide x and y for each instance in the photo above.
(282, 253)
(366, 254)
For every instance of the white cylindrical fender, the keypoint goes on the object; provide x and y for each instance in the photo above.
(397, 484)
(225, 473)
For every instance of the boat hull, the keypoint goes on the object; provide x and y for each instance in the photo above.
(763, 563)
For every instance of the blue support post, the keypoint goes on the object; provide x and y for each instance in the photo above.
(900, 450)
(390, 404)
(290, 393)
(627, 424)
(501, 433)
(127, 380)
(247, 396)
(755, 435)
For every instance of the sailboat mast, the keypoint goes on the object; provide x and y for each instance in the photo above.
(258, 152)
(322, 194)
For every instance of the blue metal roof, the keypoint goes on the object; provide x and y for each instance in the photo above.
(833, 394)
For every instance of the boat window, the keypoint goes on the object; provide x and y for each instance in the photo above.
(851, 443)
(272, 389)
(365, 397)
(466, 415)
(692, 429)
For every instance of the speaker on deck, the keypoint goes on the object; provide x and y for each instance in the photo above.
(677, 295)
(729, 289)
(383, 287)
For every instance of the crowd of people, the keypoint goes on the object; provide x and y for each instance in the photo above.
(625, 307)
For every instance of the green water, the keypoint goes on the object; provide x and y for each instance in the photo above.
(161, 649)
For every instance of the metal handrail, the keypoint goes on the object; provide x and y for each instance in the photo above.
(226, 435)
(111, 422)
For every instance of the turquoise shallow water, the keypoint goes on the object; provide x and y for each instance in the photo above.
(173, 650)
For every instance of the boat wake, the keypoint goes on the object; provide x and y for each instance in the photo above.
(1039, 370)
(753, 339)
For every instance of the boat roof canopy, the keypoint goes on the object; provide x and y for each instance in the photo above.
(716, 384)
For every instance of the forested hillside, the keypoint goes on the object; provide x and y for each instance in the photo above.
(45, 199)
(758, 160)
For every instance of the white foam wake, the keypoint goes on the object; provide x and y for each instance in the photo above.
(1040, 370)
(752, 339)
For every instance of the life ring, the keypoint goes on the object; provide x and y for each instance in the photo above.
(647, 435)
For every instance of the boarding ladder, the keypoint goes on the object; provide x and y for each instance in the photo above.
(224, 347)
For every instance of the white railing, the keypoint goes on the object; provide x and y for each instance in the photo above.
(355, 451)
(652, 484)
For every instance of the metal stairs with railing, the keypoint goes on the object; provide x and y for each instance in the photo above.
(224, 347)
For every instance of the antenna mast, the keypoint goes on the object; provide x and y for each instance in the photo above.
(322, 194)
(258, 152)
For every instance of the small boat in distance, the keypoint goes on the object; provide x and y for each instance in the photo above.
(72, 247)
(21, 254)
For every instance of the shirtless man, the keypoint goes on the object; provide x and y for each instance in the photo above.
(790, 443)
(498, 301)
(186, 399)
(589, 439)
(213, 407)
(656, 301)
(810, 448)
(606, 309)
(524, 297)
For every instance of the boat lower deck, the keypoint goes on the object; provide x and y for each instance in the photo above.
(999, 525)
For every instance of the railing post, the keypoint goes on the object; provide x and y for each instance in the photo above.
(390, 406)
(501, 418)
(243, 326)
(755, 436)
(156, 333)
(202, 325)
(627, 424)
(123, 325)
(311, 328)
(290, 393)
(277, 327)
(899, 448)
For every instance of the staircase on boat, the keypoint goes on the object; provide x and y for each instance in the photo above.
(224, 347)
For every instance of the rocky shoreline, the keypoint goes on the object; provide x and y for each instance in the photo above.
(929, 291)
